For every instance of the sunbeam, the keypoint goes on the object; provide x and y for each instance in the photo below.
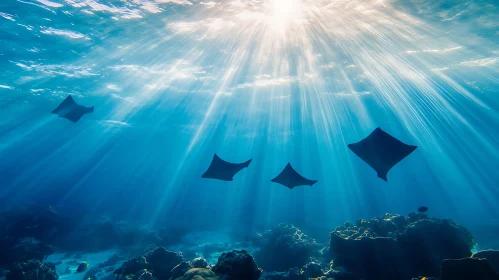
(275, 80)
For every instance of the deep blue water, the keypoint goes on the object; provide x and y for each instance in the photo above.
(175, 81)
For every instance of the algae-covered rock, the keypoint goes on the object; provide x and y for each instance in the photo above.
(180, 269)
(132, 266)
(29, 248)
(284, 247)
(32, 270)
(143, 274)
(312, 270)
(199, 263)
(237, 265)
(159, 262)
(397, 247)
(199, 274)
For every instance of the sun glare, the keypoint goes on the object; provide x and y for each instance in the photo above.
(284, 12)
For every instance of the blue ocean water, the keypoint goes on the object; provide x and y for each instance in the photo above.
(175, 81)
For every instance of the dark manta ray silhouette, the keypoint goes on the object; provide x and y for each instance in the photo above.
(68, 109)
(290, 178)
(381, 151)
(222, 170)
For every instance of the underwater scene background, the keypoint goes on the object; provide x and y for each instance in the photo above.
(173, 82)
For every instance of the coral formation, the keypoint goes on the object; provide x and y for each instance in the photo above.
(468, 268)
(491, 255)
(23, 250)
(181, 269)
(284, 247)
(132, 266)
(397, 247)
(199, 274)
(199, 263)
(51, 227)
(159, 262)
(143, 274)
(162, 262)
(32, 270)
(312, 270)
(237, 265)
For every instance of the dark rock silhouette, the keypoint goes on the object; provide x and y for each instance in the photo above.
(312, 270)
(32, 270)
(237, 265)
(199, 274)
(132, 266)
(397, 247)
(468, 268)
(23, 250)
(199, 263)
(491, 255)
(181, 269)
(160, 262)
(283, 247)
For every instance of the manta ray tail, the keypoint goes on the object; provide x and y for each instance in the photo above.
(312, 182)
(247, 163)
(383, 176)
(91, 109)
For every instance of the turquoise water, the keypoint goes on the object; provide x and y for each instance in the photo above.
(175, 81)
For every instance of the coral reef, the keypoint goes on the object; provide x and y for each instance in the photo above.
(491, 255)
(23, 250)
(284, 247)
(32, 270)
(199, 274)
(237, 265)
(143, 274)
(397, 247)
(180, 269)
(160, 262)
(51, 227)
(132, 266)
(199, 263)
(41, 223)
(468, 268)
(312, 270)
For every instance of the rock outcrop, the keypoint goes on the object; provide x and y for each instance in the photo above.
(397, 247)
(237, 265)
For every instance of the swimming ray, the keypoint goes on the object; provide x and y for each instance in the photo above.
(381, 151)
(70, 110)
(290, 178)
(222, 170)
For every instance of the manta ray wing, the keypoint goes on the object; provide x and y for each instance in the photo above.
(381, 151)
(222, 170)
(70, 110)
(290, 178)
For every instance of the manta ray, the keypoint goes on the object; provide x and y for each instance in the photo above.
(222, 170)
(381, 151)
(290, 178)
(70, 110)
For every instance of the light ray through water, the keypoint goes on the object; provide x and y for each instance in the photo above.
(293, 80)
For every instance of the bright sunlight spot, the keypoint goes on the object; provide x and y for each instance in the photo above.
(284, 12)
